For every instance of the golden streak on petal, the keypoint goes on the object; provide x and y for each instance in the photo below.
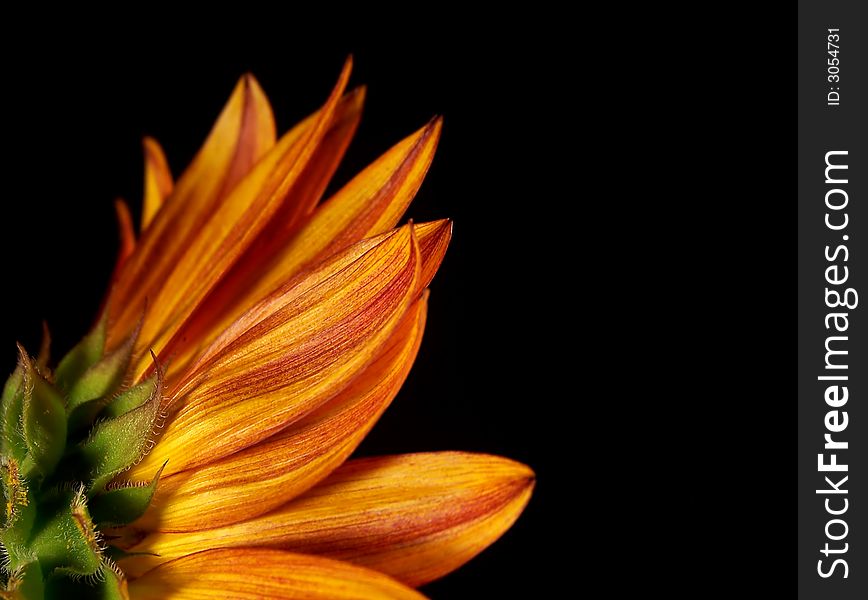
(256, 573)
(127, 245)
(434, 238)
(243, 133)
(158, 180)
(415, 517)
(126, 232)
(228, 300)
(370, 204)
(268, 474)
(318, 172)
(288, 355)
(231, 230)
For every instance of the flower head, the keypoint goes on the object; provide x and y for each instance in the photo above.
(195, 442)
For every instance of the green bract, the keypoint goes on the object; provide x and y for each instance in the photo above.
(64, 437)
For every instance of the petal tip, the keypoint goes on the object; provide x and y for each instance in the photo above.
(431, 130)
(445, 226)
(357, 95)
(253, 93)
(436, 123)
(248, 80)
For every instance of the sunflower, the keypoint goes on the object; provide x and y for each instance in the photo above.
(194, 444)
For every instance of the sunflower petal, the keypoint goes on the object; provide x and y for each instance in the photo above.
(253, 573)
(243, 133)
(434, 238)
(322, 164)
(415, 517)
(126, 232)
(158, 180)
(289, 355)
(302, 199)
(270, 473)
(370, 204)
(232, 229)
(229, 299)
(200, 331)
(127, 238)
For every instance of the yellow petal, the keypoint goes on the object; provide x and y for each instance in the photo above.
(244, 131)
(253, 574)
(289, 354)
(234, 226)
(415, 517)
(370, 204)
(262, 477)
(228, 300)
(126, 232)
(434, 238)
(198, 332)
(127, 239)
(158, 180)
(311, 184)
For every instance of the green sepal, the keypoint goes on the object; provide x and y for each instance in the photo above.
(84, 415)
(65, 537)
(13, 487)
(83, 356)
(44, 420)
(100, 380)
(117, 443)
(12, 441)
(123, 505)
(114, 586)
(25, 583)
(111, 406)
(107, 584)
(16, 535)
(131, 398)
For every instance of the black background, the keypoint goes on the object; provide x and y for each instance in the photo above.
(485, 380)
(623, 191)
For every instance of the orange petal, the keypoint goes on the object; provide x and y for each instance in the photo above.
(370, 204)
(199, 332)
(127, 237)
(289, 355)
(229, 299)
(231, 230)
(415, 517)
(251, 482)
(256, 573)
(318, 172)
(126, 231)
(244, 131)
(434, 238)
(158, 180)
